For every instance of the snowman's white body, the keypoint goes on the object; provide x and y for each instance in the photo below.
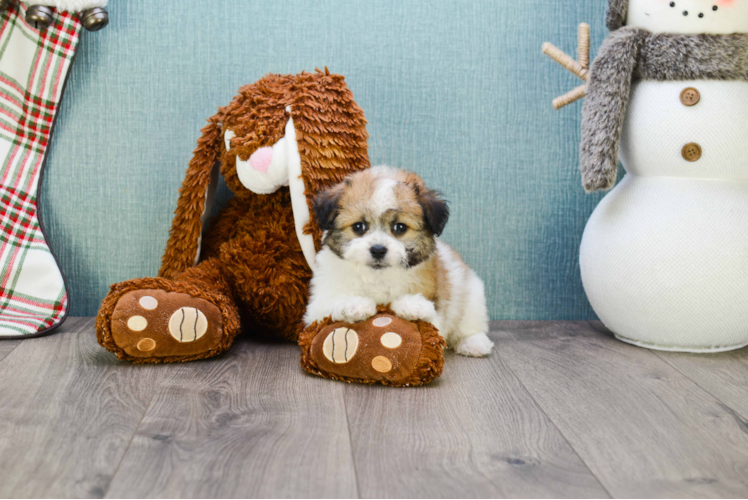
(664, 256)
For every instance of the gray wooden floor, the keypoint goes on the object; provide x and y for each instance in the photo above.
(560, 410)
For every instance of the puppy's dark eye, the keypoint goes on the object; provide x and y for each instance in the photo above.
(359, 228)
(399, 228)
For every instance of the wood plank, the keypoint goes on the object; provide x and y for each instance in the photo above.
(723, 375)
(68, 409)
(7, 346)
(250, 425)
(475, 432)
(643, 428)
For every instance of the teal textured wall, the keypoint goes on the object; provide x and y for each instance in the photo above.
(454, 90)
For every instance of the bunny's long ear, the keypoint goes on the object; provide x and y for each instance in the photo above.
(186, 228)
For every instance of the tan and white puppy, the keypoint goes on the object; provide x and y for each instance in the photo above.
(381, 246)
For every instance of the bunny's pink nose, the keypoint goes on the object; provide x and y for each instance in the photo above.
(261, 159)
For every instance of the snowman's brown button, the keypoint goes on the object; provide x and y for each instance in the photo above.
(690, 96)
(691, 152)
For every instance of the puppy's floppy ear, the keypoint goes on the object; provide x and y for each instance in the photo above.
(327, 205)
(435, 209)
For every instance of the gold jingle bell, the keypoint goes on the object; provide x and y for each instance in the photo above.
(39, 16)
(94, 19)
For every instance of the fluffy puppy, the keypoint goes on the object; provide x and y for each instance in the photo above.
(380, 246)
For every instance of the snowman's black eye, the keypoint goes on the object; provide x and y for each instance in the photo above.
(715, 8)
(672, 4)
(701, 14)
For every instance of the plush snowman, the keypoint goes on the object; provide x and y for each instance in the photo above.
(664, 256)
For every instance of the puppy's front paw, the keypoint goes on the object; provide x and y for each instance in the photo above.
(354, 309)
(413, 307)
(476, 346)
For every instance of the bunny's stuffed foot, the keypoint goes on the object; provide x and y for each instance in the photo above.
(383, 349)
(153, 320)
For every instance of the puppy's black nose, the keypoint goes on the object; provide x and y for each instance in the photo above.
(378, 251)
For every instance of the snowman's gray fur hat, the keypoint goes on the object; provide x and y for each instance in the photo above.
(616, 14)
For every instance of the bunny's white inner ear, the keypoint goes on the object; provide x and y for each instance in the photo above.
(301, 215)
(227, 137)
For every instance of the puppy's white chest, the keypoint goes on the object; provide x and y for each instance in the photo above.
(381, 285)
(349, 279)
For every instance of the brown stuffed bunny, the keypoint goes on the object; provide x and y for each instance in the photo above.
(280, 142)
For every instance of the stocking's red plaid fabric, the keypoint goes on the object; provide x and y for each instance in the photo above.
(33, 68)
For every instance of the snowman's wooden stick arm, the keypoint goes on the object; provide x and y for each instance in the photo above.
(580, 68)
(583, 47)
(565, 60)
(570, 97)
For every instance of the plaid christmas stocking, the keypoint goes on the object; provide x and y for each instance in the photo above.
(34, 65)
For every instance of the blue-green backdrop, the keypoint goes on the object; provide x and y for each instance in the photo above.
(457, 91)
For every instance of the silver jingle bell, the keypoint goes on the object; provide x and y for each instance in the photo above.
(39, 16)
(94, 19)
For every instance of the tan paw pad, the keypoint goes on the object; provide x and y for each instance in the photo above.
(146, 344)
(147, 302)
(137, 323)
(391, 340)
(188, 324)
(381, 321)
(381, 364)
(340, 345)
